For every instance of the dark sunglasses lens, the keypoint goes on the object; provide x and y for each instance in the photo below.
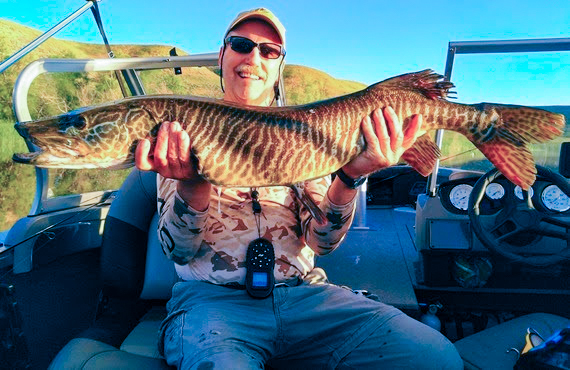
(245, 46)
(270, 51)
(241, 45)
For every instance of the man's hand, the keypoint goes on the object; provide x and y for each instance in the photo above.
(171, 155)
(386, 141)
(172, 158)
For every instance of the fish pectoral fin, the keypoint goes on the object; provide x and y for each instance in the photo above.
(307, 200)
(429, 83)
(423, 155)
(514, 161)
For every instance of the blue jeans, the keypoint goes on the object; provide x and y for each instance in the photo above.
(307, 326)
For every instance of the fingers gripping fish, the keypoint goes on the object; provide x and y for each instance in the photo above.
(260, 146)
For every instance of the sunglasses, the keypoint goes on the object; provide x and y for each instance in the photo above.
(243, 45)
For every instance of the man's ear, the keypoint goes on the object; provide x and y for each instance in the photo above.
(276, 90)
(220, 62)
(220, 56)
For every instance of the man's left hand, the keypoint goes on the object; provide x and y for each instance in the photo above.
(386, 141)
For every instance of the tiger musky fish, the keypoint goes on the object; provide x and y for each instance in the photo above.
(264, 146)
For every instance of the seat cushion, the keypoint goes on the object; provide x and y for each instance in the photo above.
(143, 340)
(488, 348)
(81, 353)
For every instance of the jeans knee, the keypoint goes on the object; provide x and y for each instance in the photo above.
(449, 357)
(439, 352)
(223, 357)
(407, 343)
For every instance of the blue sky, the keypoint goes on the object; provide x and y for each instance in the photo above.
(365, 41)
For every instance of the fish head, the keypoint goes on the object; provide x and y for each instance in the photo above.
(91, 138)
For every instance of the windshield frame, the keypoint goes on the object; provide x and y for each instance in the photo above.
(488, 47)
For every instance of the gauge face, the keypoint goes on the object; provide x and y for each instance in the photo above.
(495, 191)
(459, 196)
(554, 199)
(519, 193)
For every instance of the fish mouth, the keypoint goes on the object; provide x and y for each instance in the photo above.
(44, 159)
(26, 158)
(49, 148)
(40, 159)
(22, 130)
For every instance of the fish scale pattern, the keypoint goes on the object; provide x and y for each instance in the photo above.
(265, 146)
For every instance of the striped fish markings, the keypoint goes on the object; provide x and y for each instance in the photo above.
(264, 146)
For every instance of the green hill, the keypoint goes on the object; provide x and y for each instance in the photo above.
(53, 94)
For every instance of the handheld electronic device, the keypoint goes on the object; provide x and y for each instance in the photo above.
(260, 261)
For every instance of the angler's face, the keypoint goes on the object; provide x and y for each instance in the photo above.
(249, 78)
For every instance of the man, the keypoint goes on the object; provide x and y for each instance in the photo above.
(210, 233)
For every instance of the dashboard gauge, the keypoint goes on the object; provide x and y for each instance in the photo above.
(519, 193)
(554, 199)
(459, 196)
(495, 191)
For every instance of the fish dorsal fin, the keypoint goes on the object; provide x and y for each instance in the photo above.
(427, 82)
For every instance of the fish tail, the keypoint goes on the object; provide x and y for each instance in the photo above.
(524, 124)
(503, 133)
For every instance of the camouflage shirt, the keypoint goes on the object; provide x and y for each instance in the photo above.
(211, 245)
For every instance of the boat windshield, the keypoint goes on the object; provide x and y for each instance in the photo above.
(531, 79)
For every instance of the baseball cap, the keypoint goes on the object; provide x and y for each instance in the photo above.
(262, 14)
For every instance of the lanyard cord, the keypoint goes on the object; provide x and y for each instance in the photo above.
(256, 206)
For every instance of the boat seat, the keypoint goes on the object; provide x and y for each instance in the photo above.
(489, 348)
(134, 267)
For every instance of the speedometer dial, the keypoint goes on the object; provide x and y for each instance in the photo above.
(554, 199)
(459, 196)
(519, 192)
(495, 191)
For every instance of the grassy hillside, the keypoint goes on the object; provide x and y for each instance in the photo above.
(53, 94)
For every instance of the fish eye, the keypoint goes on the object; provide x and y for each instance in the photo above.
(80, 123)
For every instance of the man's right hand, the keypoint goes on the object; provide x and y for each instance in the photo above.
(171, 158)
(171, 155)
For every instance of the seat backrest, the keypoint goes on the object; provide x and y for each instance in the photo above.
(132, 262)
(160, 274)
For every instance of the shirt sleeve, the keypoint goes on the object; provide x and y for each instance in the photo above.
(180, 227)
(323, 239)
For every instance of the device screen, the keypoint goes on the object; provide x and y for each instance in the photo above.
(259, 280)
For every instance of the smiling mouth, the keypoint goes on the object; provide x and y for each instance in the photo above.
(249, 75)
